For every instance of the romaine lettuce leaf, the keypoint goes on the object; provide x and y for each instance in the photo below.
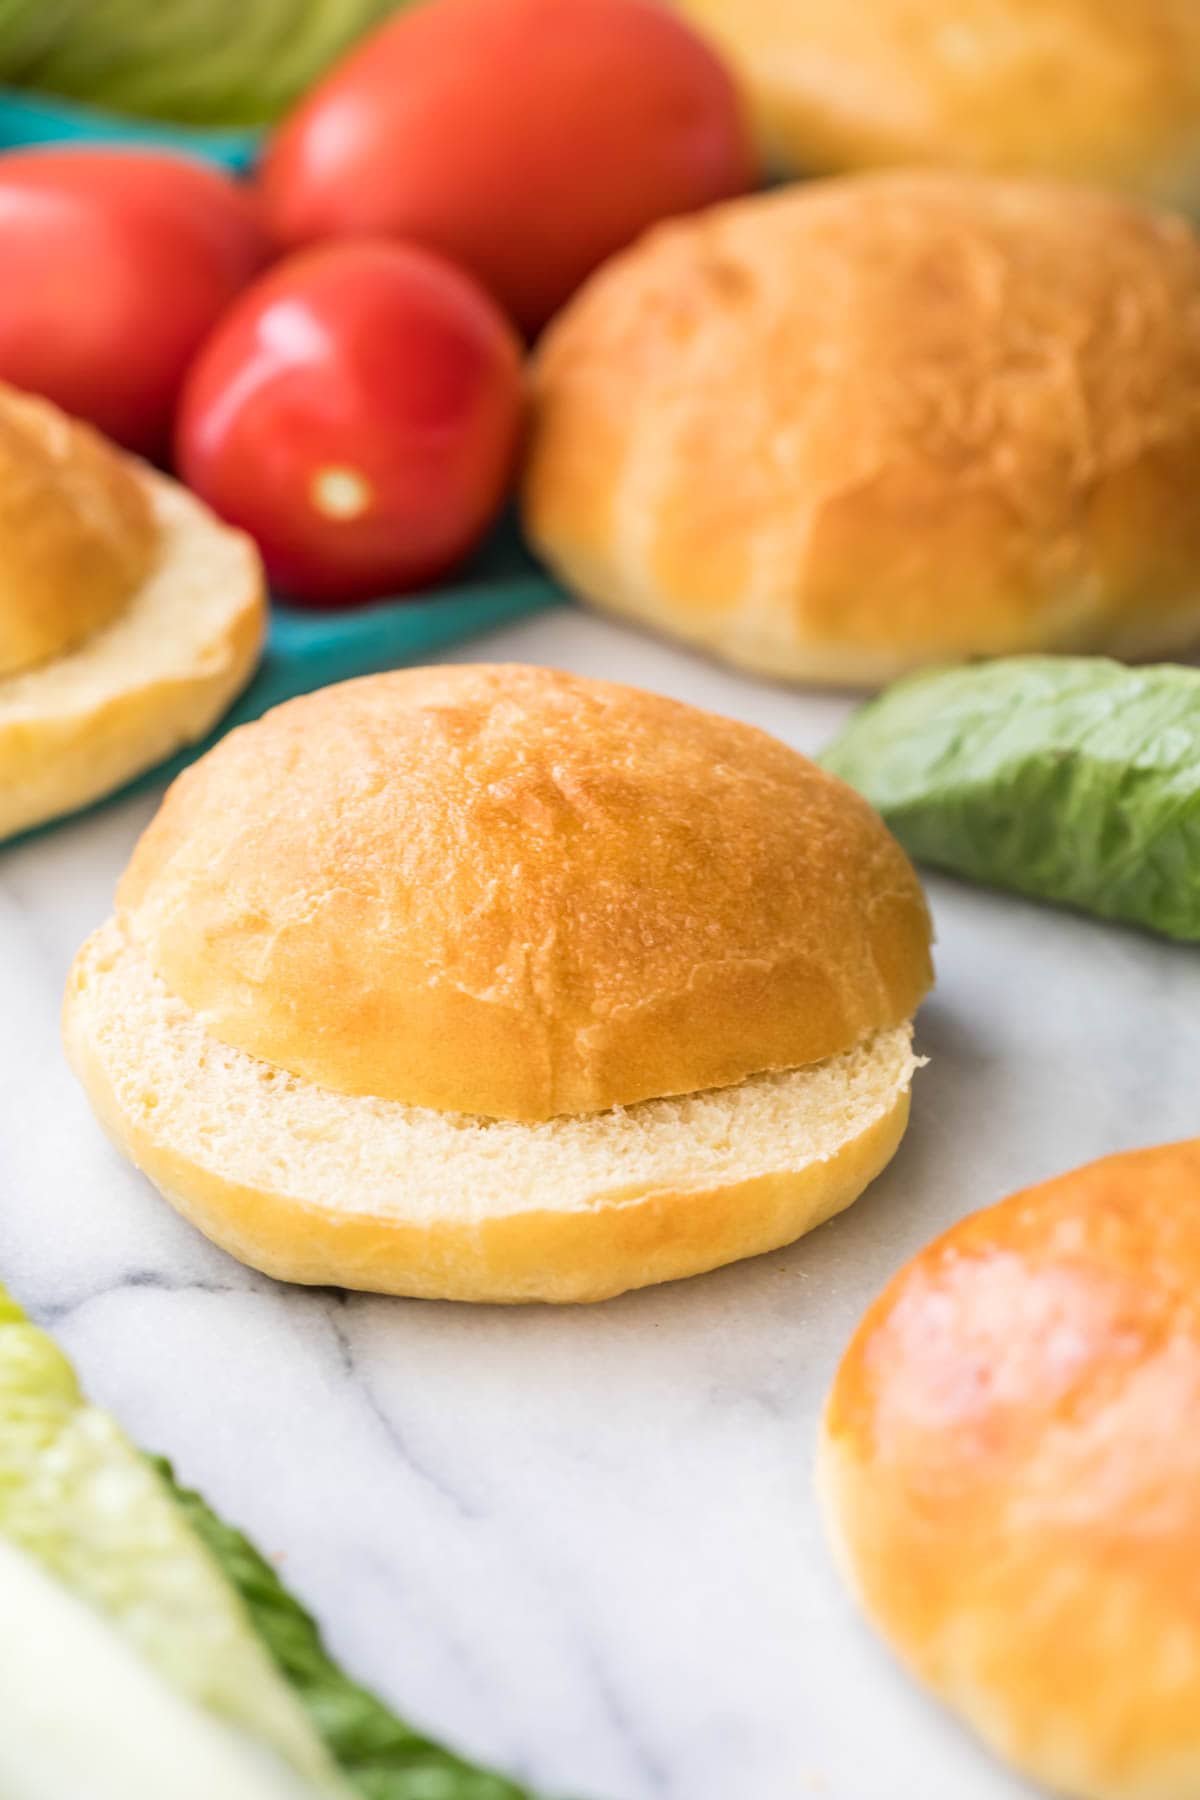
(84, 1717)
(384, 1758)
(1071, 779)
(77, 1498)
(201, 62)
(188, 1594)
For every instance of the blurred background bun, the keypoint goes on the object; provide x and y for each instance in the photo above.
(130, 617)
(1012, 1476)
(77, 533)
(843, 429)
(1094, 90)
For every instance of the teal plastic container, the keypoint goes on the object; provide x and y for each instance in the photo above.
(28, 119)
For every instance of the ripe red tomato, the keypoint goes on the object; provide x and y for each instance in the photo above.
(358, 412)
(529, 139)
(114, 264)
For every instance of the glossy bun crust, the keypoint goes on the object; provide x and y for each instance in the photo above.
(840, 430)
(130, 616)
(1011, 1465)
(1097, 90)
(516, 893)
(77, 533)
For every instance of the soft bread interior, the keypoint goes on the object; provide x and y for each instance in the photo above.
(157, 677)
(319, 1186)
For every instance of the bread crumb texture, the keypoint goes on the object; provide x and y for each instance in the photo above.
(322, 1186)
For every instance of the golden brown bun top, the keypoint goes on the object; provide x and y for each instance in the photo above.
(77, 534)
(1103, 90)
(1015, 1471)
(513, 892)
(903, 416)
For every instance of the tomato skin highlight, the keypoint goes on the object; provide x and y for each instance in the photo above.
(527, 139)
(115, 265)
(358, 412)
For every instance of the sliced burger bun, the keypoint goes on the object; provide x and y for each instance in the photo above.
(496, 983)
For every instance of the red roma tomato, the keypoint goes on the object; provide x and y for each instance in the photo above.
(529, 139)
(114, 264)
(358, 412)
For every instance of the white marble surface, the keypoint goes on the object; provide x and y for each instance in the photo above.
(581, 1544)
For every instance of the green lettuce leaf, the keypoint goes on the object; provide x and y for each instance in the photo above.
(80, 1501)
(200, 62)
(82, 1714)
(1070, 779)
(189, 1595)
(383, 1757)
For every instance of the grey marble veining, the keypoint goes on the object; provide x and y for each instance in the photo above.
(582, 1544)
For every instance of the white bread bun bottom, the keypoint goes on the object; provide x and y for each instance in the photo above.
(159, 676)
(319, 1187)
